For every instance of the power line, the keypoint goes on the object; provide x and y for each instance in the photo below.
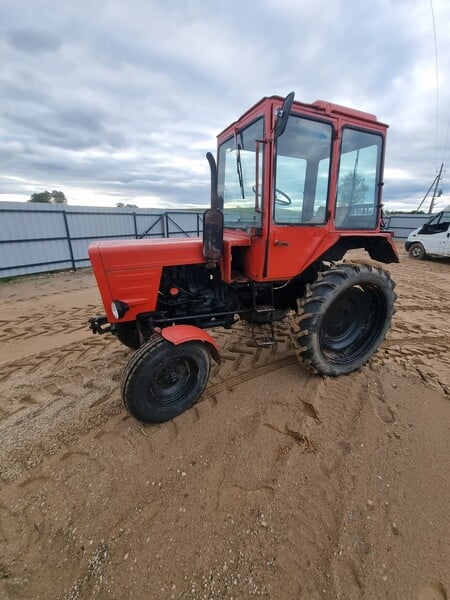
(444, 152)
(437, 77)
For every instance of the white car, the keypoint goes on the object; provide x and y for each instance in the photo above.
(432, 239)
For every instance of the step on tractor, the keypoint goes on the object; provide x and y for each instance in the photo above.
(294, 188)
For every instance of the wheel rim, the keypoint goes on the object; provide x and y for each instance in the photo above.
(352, 323)
(415, 251)
(173, 380)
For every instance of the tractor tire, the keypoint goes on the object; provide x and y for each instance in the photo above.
(416, 251)
(343, 317)
(162, 380)
(127, 334)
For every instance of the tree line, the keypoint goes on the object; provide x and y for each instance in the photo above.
(53, 197)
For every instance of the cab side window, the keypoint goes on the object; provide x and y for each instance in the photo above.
(358, 180)
(302, 172)
(439, 224)
(445, 221)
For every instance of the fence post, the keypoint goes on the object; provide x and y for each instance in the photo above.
(166, 225)
(69, 241)
(135, 225)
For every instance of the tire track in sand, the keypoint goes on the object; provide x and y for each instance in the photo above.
(66, 391)
(301, 446)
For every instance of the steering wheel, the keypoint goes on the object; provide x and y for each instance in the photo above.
(284, 201)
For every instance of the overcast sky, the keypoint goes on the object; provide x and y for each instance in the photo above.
(119, 101)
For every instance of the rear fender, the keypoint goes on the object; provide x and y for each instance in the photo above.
(382, 248)
(178, 334)
(379, 246)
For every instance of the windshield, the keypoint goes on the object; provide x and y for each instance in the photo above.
(237, 177)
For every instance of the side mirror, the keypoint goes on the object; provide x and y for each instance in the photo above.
(283, 115)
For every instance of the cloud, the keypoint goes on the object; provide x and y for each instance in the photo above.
(32, 41)
(126, 100)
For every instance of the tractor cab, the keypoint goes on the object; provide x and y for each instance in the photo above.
(295, 181)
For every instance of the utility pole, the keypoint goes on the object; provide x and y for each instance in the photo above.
(437, 180)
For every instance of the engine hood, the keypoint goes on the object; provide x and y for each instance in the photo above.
(136, 254)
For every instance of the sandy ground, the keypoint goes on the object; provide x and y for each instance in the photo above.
(277, 484)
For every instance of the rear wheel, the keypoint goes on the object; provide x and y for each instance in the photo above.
(417, 251)
(344, 316)
(162, 380)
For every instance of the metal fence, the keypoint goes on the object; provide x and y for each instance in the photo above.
(402, 225)
(36, 238)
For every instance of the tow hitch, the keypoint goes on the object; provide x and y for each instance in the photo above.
(95, 324)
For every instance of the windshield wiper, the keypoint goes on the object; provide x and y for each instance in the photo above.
(239, 170)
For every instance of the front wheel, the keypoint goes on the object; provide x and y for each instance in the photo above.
(417, 251)
(343, 318)
(163, 380)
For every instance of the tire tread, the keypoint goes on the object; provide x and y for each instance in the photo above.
(304, 325)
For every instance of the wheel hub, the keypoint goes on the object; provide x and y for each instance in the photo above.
(350, 323)
(173, 375)
(169, 377)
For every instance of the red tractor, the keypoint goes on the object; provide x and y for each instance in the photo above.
(295, 187)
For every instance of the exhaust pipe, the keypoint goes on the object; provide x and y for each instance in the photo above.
(213, 221)
(215, 200)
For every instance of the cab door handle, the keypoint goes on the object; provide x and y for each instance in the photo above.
(280, 243)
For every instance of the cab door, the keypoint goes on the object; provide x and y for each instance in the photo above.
(300, 212)
(435, 242)
(446, 249)
(435, 235)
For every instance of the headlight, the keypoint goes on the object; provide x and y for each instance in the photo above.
(119, 308)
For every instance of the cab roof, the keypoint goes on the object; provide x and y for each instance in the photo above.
(321, 107)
